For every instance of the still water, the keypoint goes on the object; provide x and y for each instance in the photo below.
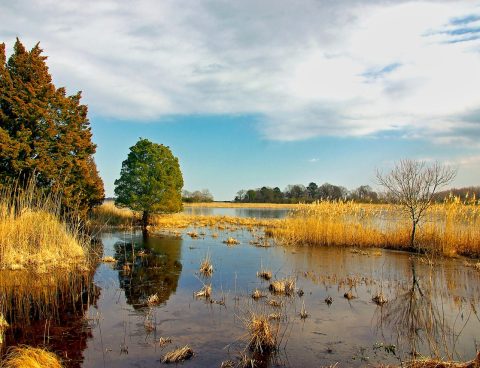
(434, 312)
(238, 212)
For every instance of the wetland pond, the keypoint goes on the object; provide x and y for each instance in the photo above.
(432, 304)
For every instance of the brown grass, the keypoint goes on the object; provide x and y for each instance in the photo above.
(28, 357)
(449, 228)
(284, 286)
(178, 355)
(265, 274)
(241, 205)
(112, 216)
(206, 267)
(35, 236)
(231, 241)
(262, 335)
(3, 326)
(204, 292)
(434, 363)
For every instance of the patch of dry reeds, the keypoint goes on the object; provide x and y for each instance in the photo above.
(262, 334)
(112, 216)
(29, 357)
(35, 235)
(435, 363)
(205, 292)
(449, 228)
(283, 286)
(231, 241)
(178, 355)
(265, 274)
(206, 267)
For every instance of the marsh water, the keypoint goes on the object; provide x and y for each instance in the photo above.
(432, 306)
(238, 212)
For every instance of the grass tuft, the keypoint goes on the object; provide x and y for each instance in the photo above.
(28, 357)
(178, 355)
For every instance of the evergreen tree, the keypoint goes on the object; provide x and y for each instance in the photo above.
(150, 181)
(44, 133)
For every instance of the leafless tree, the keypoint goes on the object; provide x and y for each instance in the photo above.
(412, 184)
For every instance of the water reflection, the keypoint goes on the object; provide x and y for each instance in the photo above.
(148, 266)
(274, 213)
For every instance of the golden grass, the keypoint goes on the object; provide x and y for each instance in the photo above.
(3, 326)
(206, 267)
(448, 228)
(262, 335)
(110, 215)
(178, 355)
(231, 241)
(434, 363)
(265, 274)
(35, 236)
(284, 286)
(205, 292)
(29, 357)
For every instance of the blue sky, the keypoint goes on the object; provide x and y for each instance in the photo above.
(272, 93)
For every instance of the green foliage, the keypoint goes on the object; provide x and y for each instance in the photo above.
(44, 133)
(150, 180)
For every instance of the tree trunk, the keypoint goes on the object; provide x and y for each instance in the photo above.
(145, 221)
(412, 236)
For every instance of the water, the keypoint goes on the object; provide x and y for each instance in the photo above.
(436, 311)
(238, 212)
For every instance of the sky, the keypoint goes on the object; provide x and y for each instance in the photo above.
(273, 92)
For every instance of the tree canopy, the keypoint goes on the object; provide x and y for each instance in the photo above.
(150, 180)
(45, 135)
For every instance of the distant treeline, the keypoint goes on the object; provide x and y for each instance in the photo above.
(310, 193)
(313, 192)
(203, 195)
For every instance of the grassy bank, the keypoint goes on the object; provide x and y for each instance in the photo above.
(449, 228)
(241, 205)
(35, 236)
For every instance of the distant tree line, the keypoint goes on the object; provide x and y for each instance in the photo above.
(310, 193)
(196, 196)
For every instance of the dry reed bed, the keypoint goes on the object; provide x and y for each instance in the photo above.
(35, 236)
(449, 228)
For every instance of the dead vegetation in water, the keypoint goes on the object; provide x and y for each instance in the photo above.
(231, 241)
(274, 303)
(284, 286)
(3, 326)
(303, 311)
(262, 335)
(264, 274)
(379, 299)
(257, 294)
(109, 259)
(205, 292)
(435, 363)
(206, 267)
(162, 341)
(153, 300)
(178, 355)
(29, 357)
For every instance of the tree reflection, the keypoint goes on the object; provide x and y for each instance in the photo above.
(149, 266)
(416, 318)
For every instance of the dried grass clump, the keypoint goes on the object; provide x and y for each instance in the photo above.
(303, 311)
(206, 267)
(379, 299)
(231, 241)
(162, 341)
(265, 274)
(257, 294)
(28, 357)
(110, 215)
(193, 234)
(348, 295)
(178, 355)
(204, 292)
(262, 336)
(274, 303)
(433, 363)
(284, 286)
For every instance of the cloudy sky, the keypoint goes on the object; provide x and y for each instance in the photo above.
(251, 93)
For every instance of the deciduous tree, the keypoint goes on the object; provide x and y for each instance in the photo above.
(150, 181)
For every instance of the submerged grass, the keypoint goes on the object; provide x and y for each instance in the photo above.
(450, 228)
(29, 357)
(178, 355)
(263, 335)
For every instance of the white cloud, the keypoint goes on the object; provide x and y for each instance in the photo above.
(306, 69)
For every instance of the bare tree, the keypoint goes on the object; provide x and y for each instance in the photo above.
(412, 184)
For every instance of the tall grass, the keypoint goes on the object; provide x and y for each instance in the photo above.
(450, 228)
(34, 234)
(110, 215)
(29, 357)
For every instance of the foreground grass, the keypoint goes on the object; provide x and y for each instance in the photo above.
(450, 228)
(34, 235)
(28, 357)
